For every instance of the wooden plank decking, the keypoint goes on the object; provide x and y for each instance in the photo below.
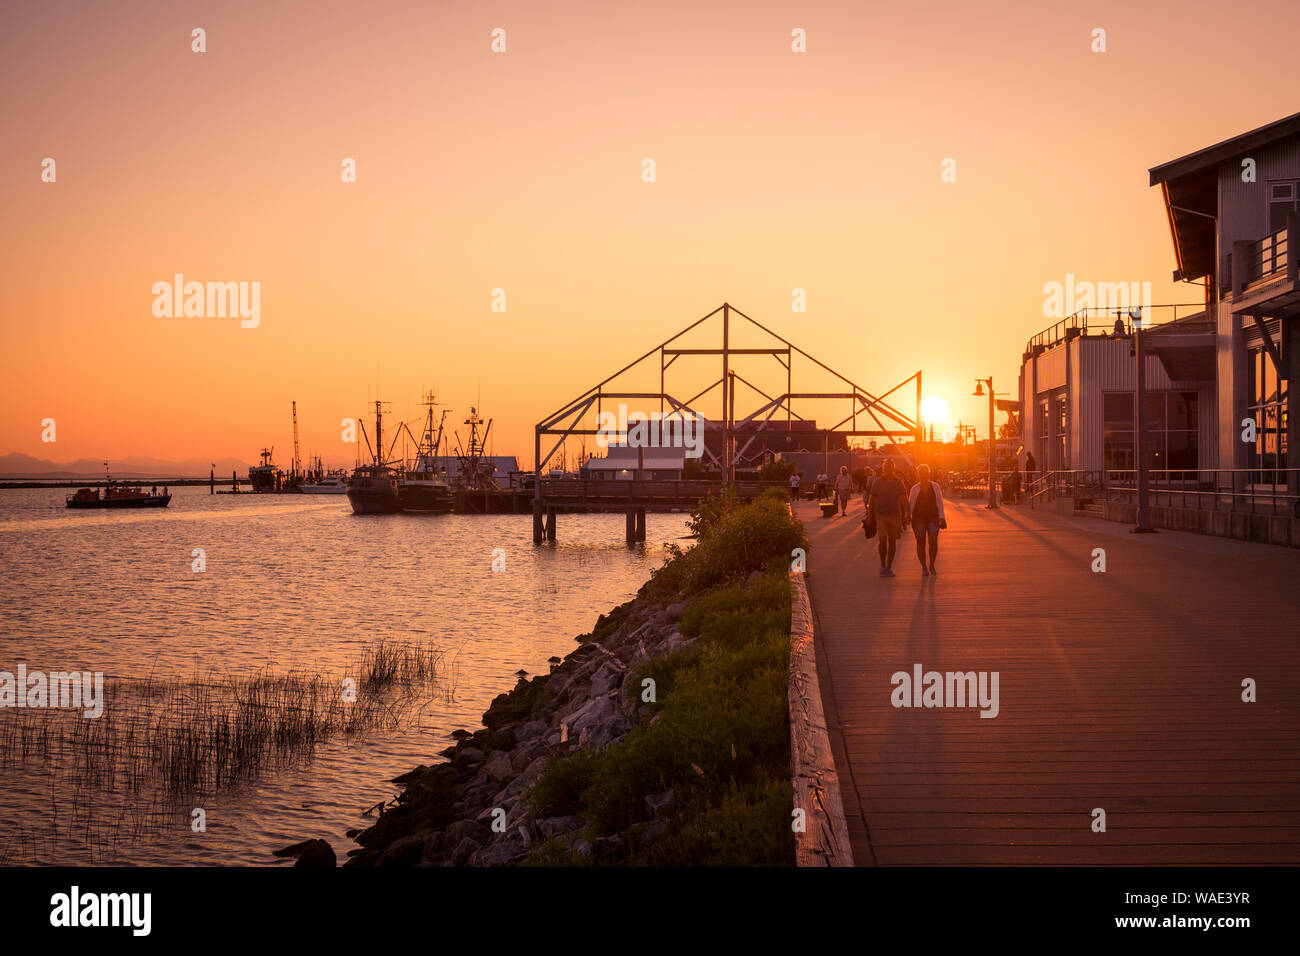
(1120, 690)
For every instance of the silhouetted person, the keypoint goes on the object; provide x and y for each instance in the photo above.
(1030, 467)
(843, 488)
(925, 502)
(888, 502)
(868, 479)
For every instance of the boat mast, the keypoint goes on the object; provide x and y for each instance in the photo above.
(427, 451)
(296, 466)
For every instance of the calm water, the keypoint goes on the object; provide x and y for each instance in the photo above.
(292, 582)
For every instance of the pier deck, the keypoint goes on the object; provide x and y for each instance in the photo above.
(634, 497)
(1119, 690)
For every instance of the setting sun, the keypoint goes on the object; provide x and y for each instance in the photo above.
(934, 411)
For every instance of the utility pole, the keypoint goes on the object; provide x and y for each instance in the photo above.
(1143, 525)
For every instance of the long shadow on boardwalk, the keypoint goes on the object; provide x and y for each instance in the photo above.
(1119, 690)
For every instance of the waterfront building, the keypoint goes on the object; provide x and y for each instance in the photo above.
(624, 463)
(1234, 210)
(1211, 366)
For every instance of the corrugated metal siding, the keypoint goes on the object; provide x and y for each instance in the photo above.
(1091, 367)
(1243, 207)
(1051, 369)
(1107, 365)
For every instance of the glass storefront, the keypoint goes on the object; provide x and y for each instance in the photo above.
(1173, 421)
(1267, 397)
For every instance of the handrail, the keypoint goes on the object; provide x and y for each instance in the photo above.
(1272, 491)
(1267, 255)
(1077, 322)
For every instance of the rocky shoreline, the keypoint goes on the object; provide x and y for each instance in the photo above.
(472, 811)
(663, 739)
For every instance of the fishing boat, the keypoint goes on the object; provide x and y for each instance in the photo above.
(264, 476)
(372, 489)
(116, 495)
(423, 487)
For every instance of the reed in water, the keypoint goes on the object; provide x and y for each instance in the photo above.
(176, 742)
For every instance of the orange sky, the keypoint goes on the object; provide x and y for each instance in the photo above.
(522, 171)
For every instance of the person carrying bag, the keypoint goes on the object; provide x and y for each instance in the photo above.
(925, 502)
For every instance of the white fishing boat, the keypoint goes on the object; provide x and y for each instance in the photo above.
(329, 485)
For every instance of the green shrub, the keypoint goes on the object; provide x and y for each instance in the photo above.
(734, 541)
(663, 670)
(558, 792)
(776, 470)
(720, 737)
(748, 828)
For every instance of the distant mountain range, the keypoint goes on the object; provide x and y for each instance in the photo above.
(18, 466)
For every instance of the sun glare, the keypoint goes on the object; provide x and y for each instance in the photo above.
(934, 411)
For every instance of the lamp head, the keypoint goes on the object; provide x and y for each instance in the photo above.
(979, 390)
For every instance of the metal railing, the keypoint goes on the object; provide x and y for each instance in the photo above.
(1065, 483)
(972, 484)
(1267, 256)
(1078, 324)
(1271, 491)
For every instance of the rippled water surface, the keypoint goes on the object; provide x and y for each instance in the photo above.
(293, 583)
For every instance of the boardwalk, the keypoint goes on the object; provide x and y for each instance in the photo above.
(1120, 690)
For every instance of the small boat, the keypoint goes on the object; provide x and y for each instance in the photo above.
(117, 495)
(329, 485)
(320, 481)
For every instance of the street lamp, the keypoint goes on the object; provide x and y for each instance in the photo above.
(979, 391)
(1140, 437)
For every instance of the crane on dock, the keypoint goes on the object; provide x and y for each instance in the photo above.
(296, 465)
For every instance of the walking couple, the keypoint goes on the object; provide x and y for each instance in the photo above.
(891, 507)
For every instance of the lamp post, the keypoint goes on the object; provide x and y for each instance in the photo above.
(1143, 525)
(979, 391)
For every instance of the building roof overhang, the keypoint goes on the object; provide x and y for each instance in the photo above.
(1189, 186)
(1187, 358)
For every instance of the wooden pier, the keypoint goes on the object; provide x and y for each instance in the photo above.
(1121, 691)
(634, 498)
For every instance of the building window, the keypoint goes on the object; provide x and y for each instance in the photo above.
(1282, 201)
(1117, 431)
(1061, 429)
(1267, 397)
(1044, 458)
(1173, 419)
